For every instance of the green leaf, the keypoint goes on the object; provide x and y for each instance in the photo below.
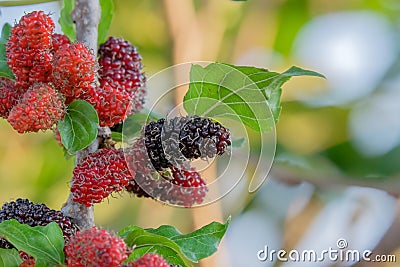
(199, 244)
(296, 71)
(9, 258)
(44, 243)
(79, 127)
(221, 90)
(271, 82)
(107, 13)
(4, 68)
(165, 230)
(134, 123)
(168, 254)
(66, 22)
(175, 247)
(240, 92)
(116, 136)
(5, 33)
(146, 242)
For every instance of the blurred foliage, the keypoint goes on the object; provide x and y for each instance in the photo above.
(143, 24)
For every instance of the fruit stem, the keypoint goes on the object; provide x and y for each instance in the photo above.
(86, 16)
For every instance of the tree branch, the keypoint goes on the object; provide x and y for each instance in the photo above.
(86, 16)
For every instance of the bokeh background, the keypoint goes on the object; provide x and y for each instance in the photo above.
(336, 172)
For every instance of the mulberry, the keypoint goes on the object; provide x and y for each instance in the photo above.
(59, 40)
(112, 104)
(149, 260)
(171, 142)
(183, 187)
(121, 64)
(39, 109)
(98, 175)
(73, 69)
(201, 137)
(191, 188)
(28, 49)
(9, 95)
(140, 165)
(26, 212)
(95, 248)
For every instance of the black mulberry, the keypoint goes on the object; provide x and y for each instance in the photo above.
(32, 214)
(171, 142)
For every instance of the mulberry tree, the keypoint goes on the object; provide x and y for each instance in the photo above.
(85, 86)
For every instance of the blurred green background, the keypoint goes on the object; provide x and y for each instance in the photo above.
(336, 171)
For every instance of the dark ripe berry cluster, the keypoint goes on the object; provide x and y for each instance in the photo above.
(121, 63)
(162, 158)
(191, 137)
(154, 147)
(203, 138)
(99, 175)
(32, 214)
(95, 248)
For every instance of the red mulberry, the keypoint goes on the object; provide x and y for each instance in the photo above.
(73, 69)
(98, 175)
(9, 95)
(28, 49)
(39, 109)
(95, 248)
(183, 187)
(149, 260)
(59, 40)
(112, 104)
(121, 68)
(191, 188)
